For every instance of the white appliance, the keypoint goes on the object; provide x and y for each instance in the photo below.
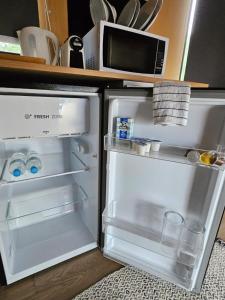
(116, 48)
(72, 53)
(37, 42)
(51, 216)
(55, 216)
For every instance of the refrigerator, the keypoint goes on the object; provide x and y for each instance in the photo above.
(50, 216)
(95, 190)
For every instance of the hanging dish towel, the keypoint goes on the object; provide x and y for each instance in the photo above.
(171, 103)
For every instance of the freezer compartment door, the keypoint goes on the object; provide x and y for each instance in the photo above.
(32, 116)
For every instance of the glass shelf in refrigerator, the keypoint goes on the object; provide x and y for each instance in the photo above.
(148, 236)
(40, 216)
(33, 209)
(169, 153)
(53, 165)
(23, 205)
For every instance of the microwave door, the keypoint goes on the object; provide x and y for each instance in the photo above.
(129, 52)
(141, 189)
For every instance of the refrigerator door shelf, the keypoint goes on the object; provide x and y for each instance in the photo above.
(147, 237)
(53, 165)
(129, 253)
(114, 215)
(169, 153)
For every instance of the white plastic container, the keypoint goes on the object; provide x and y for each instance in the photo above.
(193, 156)
(148, 146)
(155, 145)
(17, 164)
(33, 164)
(141, 148)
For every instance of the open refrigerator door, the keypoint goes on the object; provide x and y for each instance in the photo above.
(163, 206)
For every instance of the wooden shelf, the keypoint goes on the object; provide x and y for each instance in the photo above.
(79, 74)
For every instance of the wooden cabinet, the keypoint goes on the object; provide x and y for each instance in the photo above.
(28, 68)
(53, 16)
(172, 22)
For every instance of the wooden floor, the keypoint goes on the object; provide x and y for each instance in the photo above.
(63, 281)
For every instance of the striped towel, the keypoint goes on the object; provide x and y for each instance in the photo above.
(171, 103)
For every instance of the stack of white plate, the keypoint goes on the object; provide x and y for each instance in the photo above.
(133, 15)
(130, 13)
(102, 10)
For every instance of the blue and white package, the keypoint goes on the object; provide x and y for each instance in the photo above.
(124, 128)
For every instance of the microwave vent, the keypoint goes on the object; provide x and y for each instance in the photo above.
(91, 63)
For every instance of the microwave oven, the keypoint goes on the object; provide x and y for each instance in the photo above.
(116, 48)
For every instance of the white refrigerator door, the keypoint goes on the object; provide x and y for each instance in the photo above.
(141, 189)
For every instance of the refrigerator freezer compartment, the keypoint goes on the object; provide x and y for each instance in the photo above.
(127, 252)
(41, 115)
(169, 153)
(53, 165)
(37, 246)
(148, 237)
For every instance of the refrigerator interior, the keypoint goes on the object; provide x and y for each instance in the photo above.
(51, 216)
(142, 188)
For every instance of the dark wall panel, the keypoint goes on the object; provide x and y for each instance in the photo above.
(206, 59)
(79, 15)
(16, 14)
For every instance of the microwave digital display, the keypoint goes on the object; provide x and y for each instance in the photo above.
(128, 51)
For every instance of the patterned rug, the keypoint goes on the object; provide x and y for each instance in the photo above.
(130, 283)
